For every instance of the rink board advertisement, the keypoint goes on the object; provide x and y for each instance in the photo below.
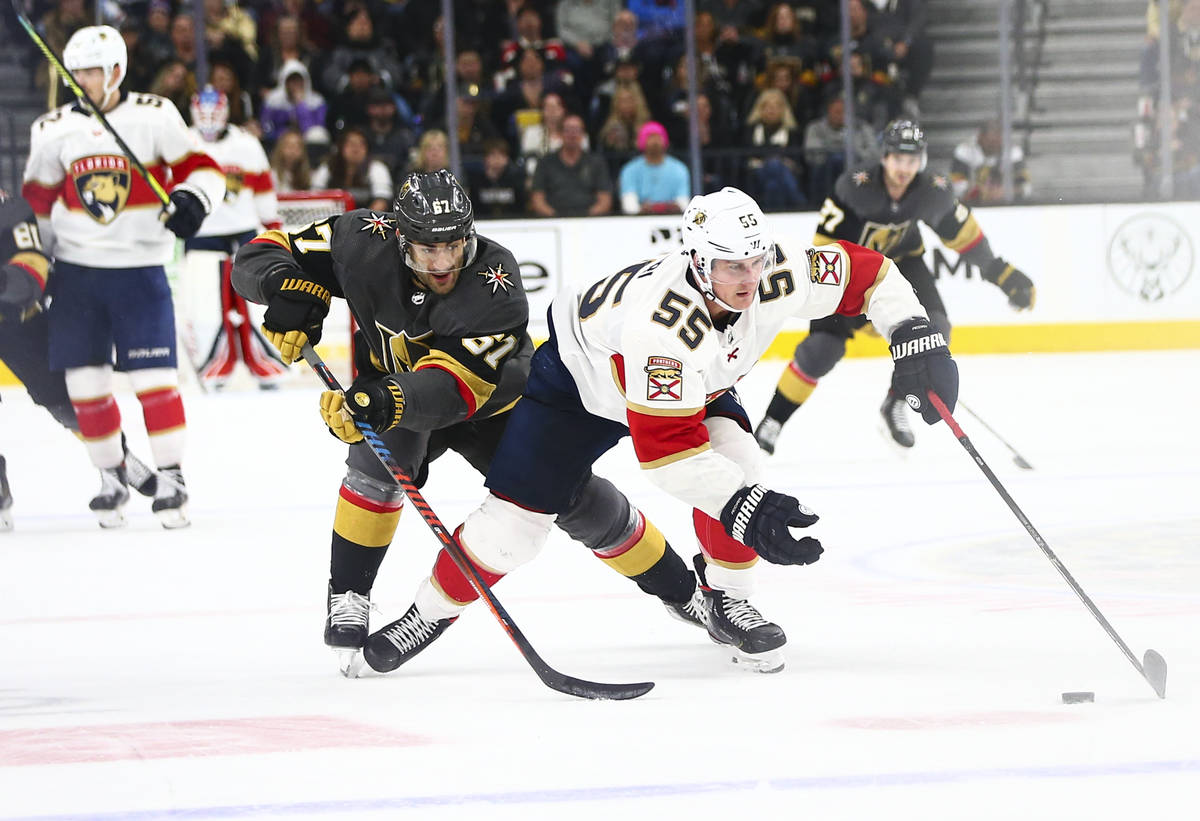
(1108, 277)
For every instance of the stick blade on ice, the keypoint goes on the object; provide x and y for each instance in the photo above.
(1154, 667)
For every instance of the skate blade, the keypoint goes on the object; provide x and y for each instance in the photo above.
(173, 519)
(110, 519)
(350, 661)
(6, 521)
(772, 661)
(886, 433)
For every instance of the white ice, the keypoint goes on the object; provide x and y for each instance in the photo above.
(152, 674)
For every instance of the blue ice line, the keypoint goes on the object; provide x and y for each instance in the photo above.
(618, 793)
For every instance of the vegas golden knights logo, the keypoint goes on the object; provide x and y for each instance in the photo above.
(664, 378)
(882, 237)
(401, 350)
(102, 184)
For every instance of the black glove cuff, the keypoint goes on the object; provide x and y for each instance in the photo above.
(736, 515)
(916, 337)
(996, 271)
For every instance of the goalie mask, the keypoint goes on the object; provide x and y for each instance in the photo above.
(433, 208)
(727, 224)
(904, 137)
(97, 47)
(210, 113)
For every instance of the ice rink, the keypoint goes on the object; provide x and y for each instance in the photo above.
(150, 674)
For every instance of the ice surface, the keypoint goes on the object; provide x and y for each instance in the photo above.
(148, 674)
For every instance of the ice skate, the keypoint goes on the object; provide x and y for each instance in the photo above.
(141, 478)
(691, 611)
(346, 616)
(395, 644)
(895, 422)
(170, 499)
(767, 433)
(109, 503)
(6, 522)
(736, 623)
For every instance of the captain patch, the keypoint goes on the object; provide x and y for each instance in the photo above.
(664, 378)
(824, 267)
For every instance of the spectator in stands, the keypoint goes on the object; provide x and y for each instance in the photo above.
(223, 78)
(360, 44)
(626, 72)
(473, 128)
(497, 189)
(629, 114)
(715, 126)
(975, 171)
(433, 152)
(622, 48)
(224, 41)
(290, 170)
(655, 182)
(351, 168)
(528, 27)
(468, 69)
(226, 17)
(775, 171)
(390, 139)
(57, 26)
(294, 104)
(287, 42)
(174, 82)
(877, 98)
(739, 15)
(584, 24)
(658, 19)
(1184, 52)
(786, 74)
(423, 78)
(349, 106)
(784, 36)
(157, 33)
(571, 182)
(183, 40)
(825, 146)
(519, 105)
(545, 137)
(141, 65)
(901, 25)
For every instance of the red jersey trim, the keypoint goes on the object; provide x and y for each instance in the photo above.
(864, 265)
(464, 390)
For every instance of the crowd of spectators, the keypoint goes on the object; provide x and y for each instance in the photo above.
(1183, 49)
(568, 107)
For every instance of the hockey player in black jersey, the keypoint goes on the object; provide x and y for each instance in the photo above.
(24, 271)
(443, 355)
(879, 207)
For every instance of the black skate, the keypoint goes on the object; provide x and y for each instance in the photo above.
(141, 478)
(346, 617)
(757, 643)
(395, 644)
(691, 611)
(767, 433)
(6, 522)
(170, 499)
(109, 503)
(895, 421)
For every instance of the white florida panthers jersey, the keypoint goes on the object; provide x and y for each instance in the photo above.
(249, 203)
(93, 208)
(644, 350)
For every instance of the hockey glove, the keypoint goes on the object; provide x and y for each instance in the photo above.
(760, 518)
(378, 401)
(189, 212)
(1015, 285)
(337, 417)
(296, 308)
(19, 292)
(923, 364)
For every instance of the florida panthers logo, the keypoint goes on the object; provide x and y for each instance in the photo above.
(664, 378)
(824, 267)
(102, 184)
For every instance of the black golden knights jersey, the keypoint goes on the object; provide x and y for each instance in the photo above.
(861, 210)
(476, 334)
(21, 249)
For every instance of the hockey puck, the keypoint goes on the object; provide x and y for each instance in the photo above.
(1078, 698)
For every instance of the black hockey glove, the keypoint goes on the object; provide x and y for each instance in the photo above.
(18, 293)
(296, 308)
(189, 212)
(376, 400)
(1015, 285)
(923, 364)
(760, 518)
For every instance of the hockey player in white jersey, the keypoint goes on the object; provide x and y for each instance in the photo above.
(104, 226)
(218, 314)
(654, 352)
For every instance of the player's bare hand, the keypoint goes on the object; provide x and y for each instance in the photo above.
(338, 418)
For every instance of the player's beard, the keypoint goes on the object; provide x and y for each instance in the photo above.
(440, 283)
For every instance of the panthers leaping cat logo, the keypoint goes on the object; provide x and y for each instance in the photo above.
(103, 186)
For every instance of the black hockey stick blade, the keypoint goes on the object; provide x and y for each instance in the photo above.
(581, 688)
(1154, 668)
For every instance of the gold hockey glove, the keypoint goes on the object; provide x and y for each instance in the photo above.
(338, 418)
(295, 312)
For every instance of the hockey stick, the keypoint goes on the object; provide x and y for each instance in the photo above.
(69, 79)
(1018, 459)
(549, 676)
(1153, 666)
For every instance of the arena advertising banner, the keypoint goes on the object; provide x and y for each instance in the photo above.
(1107, 276)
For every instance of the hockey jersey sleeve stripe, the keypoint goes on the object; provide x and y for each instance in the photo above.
(183, 168)
(259, 183)
(866, 268)
(275, 237)
(647, 410)
(41, 197)
(35, 264)
(474, 390)
(675, 457)
(968, 236)
(660, 440)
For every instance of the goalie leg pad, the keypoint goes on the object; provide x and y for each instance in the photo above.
(501, 536)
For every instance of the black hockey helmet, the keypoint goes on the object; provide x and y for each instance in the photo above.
(903, 137)
(432, 207)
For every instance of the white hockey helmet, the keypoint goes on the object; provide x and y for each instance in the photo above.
(97, 47)
(727, 224)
